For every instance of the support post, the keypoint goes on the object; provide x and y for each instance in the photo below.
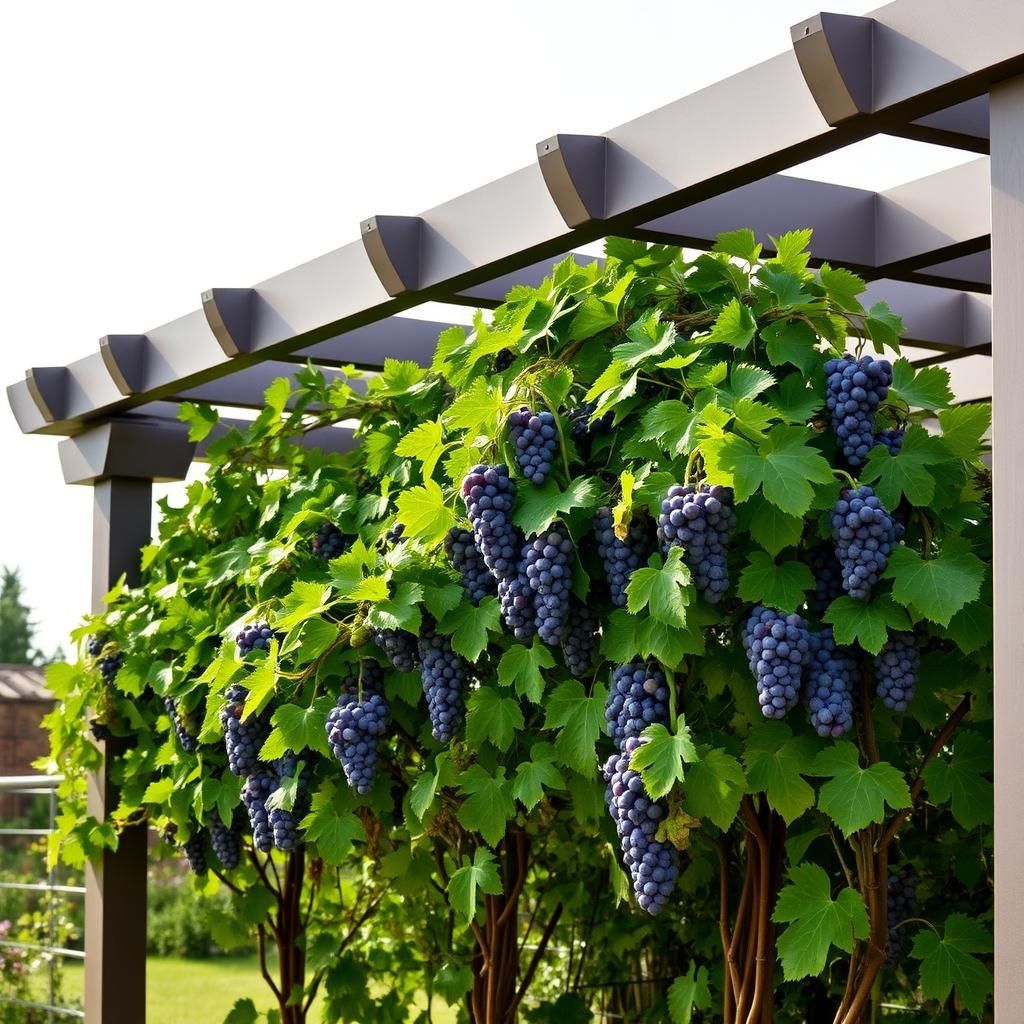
(1007, 170)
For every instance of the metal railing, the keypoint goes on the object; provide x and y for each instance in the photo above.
(45, 786)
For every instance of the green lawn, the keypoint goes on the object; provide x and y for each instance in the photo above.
(200, 991)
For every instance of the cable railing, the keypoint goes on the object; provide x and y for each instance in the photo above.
(41, 786)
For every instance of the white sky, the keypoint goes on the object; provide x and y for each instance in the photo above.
(153, 151)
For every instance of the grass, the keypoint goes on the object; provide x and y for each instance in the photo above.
(198, 991)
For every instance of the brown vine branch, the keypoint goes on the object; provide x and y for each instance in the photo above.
(531, 970)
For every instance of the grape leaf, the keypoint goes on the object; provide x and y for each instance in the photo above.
(964, 780)
(424, 443)
(488, 802)
(963, 428)
(939, 587)
(534, 775)
(883, 326)
(855, 796)
(689, 990)
(740, 243)
(791, 341)
(469, 626)
(538, 507)
(492, 717)
(714, 786)
(522, 666)
(243, 1012)
(479, 874)
(734, 326)
(424, 513)
(670, 423)
(664, 589)
(948, 962)
(661, 755)
(478, 410)
(581, 720)
(775, 586)
(795, 400)
(926, 389)
(772, 528)
(332, 826)
(842, 287)
(816, 921)
(971, 627)
(775, 762)
(303, 727)
(905, 473)
(863, 622)
(791, 250)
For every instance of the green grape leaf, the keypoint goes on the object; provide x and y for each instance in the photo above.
(492, 717)
(865, 622)
(796, 399)
(661, 755)
(964, 779)
(734, 326)
(424, 513)
(243, 1012)
(740, 243)
(689, 991)
(905, 473)
(469, 626)
(816, 921)
(533, 776)
(791, 250)
(772, 528)
(949, 963)
(776, 586)
(581, 720)
(479, 874)
(400, 611)
(775, 762)
(664, 590)
(939, 587)
(303, 727)
(842, 287)
(971, 627)
(201, 419)
(792, 341)
(478, 410)
(538, 507)
(963, 428)
(883, 326)
(488, 802)
(332, 827)
(855, 797)
(425, 443)
(928, 388)
(714, 786)
(522, 666)
(672, 424)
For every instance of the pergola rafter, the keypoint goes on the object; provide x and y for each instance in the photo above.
(939, 71)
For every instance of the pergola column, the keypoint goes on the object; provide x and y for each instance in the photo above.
(1007, 170)
(120, 461)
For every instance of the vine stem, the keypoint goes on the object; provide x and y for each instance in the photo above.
(694, 455)
(843, 475)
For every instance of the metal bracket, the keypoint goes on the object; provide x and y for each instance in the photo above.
(836, 55)
(575, 171)
(394, 250)
(124, 356)
(228, 311)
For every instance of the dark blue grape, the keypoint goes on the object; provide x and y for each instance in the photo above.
(900, 900)
(398, 646)
(227, 845)
(579, 641)
(256, 637)
(864, 534)
(700, 521)
(188, 742)
(96, 645)
(444, 674)
(621, 558)
(828, 577)
(778, 647)
(535, 439)
(829, 686)
(638, 698)
(517, 600)
(394, 534)
(242, 740)
(652, 865)
(504, 359)
(896, 668)
(284, 823)
(255, 791)
(354, 726)
(329, 542)
(891, 440)
(854, 390)
(100, 730)
(195, 853)
(110, 665)
(583, 428)
(465, 558)
(547, 562)
(489, 492)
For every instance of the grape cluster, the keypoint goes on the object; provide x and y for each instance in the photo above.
(621, 558)
(579, 639)
(638, 698)
(96, 645)
(584, 430)
(891, 440)
(504, 359)
(488, 492)
(653, 865)
(535, 439)
(517, 604)
(444, 675)
(855, 389)
(546, 561)
(284, 824)
(329, 542)
(701, 521)
(778, 647)
(828, 688)
(398, 646)
(242, 740)
(188, 742)
(110, 665)
(353, 727)
(100, 731)
(864, 534)
(255, 791)
(394, 534)
(227, 846)
(828, 577)
(465, 558)
(256, 637)
(896, 667)
(900, 905)
(195, 853)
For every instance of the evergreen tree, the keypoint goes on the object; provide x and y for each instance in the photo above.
(16, 627)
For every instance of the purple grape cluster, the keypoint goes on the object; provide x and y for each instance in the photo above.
(284, 824)
(828, 577)
(700, 520)
(653, 865)
(517, 604)
(95, 646)
(329, 542)
(864, 534)
(255, 791)
(444, 674)
(242, 740)
(896, 668)
(638, 698)
(353, 727)
(900, 898)
(464, 556)
(584, 430)
(227, 845)
(488, 492)
(504, 359)
(195, 853)
(828, 687)
(110, 665)
(535, 439)
(398, 646)
(100, 730)
(778, 647)
(891, 441)
(255, 637)
(394, 534)
(579, 639)
(188, 742)
(854, 390)
(547, 561)
(621, 558)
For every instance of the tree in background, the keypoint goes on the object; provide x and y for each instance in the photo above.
(16, 627)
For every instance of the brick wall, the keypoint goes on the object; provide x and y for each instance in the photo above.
(22, 740)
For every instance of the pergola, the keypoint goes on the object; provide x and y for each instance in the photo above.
(946, 251)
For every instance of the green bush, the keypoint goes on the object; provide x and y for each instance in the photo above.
(179, 920)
